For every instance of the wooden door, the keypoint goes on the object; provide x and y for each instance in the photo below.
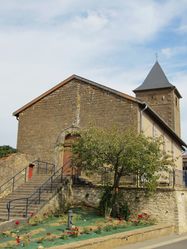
(67, 155)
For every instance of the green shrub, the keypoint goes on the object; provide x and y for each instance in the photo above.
(6, 150)
(124, 211)
(98, 230)
(108, 228)
(64, 236)
(105, 205)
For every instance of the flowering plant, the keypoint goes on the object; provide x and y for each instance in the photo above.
(18, 240)
(17, 222)
(142, 218)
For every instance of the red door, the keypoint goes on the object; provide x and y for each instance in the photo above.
(30, 171)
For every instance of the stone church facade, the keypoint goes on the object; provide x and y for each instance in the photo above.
(79, 103)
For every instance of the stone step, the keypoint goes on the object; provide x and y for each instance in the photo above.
(22, 202)
(25, 190)
(27, 194)
(23, 205)
(28, 191)
(18, 209)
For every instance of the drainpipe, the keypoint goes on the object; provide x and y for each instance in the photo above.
(141, 117)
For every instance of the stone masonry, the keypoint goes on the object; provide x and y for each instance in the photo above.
(164, 102)
(167, 206)
(78, 104)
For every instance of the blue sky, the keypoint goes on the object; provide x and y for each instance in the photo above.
(111, 42)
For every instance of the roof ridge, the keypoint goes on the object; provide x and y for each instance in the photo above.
(62, 83)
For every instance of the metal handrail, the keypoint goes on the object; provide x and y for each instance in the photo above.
(38, 192)
(11, 182)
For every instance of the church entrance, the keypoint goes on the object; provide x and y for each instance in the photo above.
(67, 155)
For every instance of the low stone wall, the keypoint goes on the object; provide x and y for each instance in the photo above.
(9, 166)
(165, 205)
(12, 164)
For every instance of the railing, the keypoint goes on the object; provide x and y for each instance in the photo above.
(44, 167)
(167, 179)
(55, 181)
(105, 178)
(22, 176)
(50, 185)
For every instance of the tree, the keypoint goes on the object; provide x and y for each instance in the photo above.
(122, 153)
(6, 150)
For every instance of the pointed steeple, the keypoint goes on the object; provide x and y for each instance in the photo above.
(161, 96)
(156, 79)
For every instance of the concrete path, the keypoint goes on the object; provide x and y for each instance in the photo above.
(177, 245)
(167, 242)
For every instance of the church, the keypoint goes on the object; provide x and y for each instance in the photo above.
(76, 103)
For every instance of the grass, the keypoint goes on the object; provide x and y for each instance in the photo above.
(50, 232)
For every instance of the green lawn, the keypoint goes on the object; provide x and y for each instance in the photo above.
(53, 230)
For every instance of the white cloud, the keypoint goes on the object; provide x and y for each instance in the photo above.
(173, 51)
(42, 42)
(92, 22)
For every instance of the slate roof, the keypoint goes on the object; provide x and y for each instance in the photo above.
(156, 79)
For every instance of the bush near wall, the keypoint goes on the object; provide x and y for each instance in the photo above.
(6, 150)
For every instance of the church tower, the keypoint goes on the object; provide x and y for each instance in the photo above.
(161, 96)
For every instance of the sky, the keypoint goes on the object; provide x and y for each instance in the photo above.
(114, 43)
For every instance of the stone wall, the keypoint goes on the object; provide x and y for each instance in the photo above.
(165, 205)
(78, 104)
(151, 129)
(166, 103)
(9, 166)
(12, 164)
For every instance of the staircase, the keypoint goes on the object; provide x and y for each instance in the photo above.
(31, 194)
(21, 193)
